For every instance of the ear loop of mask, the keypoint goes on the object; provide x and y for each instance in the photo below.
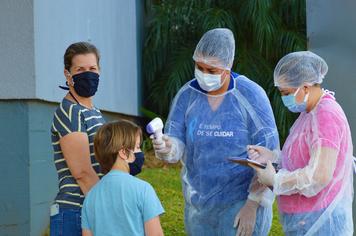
(223, 82)
(224, 79)
(67, 88)
(306, 97)
(69, 74)
(296, 92)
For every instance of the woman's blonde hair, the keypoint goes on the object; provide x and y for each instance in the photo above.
(111, 138)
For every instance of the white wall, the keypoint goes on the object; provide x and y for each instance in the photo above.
(32, 55)
(332, 35)
(17, 72)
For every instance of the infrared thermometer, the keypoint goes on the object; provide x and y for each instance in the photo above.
(155, 127)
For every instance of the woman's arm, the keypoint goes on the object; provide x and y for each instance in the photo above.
(153, 227)
(310, 180)
(76, 152)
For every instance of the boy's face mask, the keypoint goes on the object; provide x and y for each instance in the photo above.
(136, 166)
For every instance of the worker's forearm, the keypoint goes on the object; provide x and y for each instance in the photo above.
(253, 204)
(87, 181)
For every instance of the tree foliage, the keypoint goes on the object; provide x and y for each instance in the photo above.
(264, 30)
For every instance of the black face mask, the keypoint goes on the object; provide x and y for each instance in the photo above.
(86, 83)
(136, 166)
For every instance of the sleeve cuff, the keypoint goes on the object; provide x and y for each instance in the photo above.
(255, 197)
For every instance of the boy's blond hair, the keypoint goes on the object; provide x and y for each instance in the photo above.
(111, 138)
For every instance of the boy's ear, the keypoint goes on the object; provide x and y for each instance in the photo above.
(122, 154)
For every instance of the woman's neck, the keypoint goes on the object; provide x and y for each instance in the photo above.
(74, 97)
(314, 97)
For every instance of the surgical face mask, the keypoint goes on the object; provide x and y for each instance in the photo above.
(86, 83)
(290, 102)
(136, 166)
(208, 82)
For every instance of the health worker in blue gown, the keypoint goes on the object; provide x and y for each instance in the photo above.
(214, 117)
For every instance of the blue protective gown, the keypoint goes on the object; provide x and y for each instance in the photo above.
(212, 129)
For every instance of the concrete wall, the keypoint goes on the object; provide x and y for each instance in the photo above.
(14, 171)
(332, 35)
(28, 176)
(42, 175)
(33, 37)
(111, 26)
(17, 64)
(35, 34)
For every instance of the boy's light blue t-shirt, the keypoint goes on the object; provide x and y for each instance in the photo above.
(120, 204)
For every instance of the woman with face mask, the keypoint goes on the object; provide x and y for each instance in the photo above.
(74, 126)
(212, 118)
(314, 186)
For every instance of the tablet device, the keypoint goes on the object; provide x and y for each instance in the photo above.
(245, 162)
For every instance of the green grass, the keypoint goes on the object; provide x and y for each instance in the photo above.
(276, 229)
(166, 182)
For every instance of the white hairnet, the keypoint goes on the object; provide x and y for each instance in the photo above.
(298, 68)
(216, 48)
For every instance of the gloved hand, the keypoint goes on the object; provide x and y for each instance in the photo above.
(255, 190)
(162, 147)
(245, 219)
(260, 193)
(261, 154)
(265, 176)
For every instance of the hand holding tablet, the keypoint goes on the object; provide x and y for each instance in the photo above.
(248, 162)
